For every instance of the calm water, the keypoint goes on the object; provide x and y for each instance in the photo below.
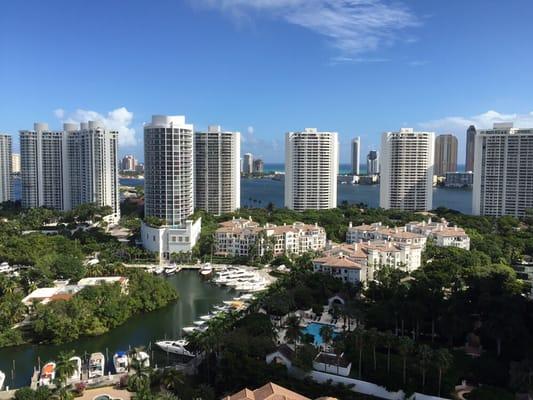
(197, 297)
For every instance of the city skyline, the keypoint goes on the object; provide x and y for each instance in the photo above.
(252, 42)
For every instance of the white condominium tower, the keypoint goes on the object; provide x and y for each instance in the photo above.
(406, 170)
(503, 171)
(93, 166)
(63, 169)
(356, 150)
(43, 165)
(5, 168)
(311, 168)
(168, 169)
(217, 177)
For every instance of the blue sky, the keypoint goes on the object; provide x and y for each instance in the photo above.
(264, 67)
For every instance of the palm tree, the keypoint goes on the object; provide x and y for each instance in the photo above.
(65, 367)
(359, 335)
(326, 332)
(141, 375)
(293, 331)
(405, 347)
(63, 394)
(172, 379)
(425, 354)
(372, 335)
(388, 339)
(338, 348)
(166, 396)
(443, 359)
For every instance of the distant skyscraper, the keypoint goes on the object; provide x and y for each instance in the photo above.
(406, 170)
(470, 144)
(128, 163)
(15, 163)
(5, 168)
(168, 169)
(503, 171)
(356, 150)
(259, 166)
(311, 169)
(372, 163)
(63, 169)
(445, 154)
(217, 170)
(248, 164)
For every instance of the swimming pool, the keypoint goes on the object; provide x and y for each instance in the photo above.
(313, 329)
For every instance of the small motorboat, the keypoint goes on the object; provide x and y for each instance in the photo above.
(199, 322)
(2, 379)
(48, 374)
(76, 376)
(190, 329)
(171, 270)
(175, 347)
(207, 317)
(120, 362)
(96, 365)
(142, 358)
(159, 270)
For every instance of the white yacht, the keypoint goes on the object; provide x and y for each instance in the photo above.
(159, 270)
(171, 270)
(190, 329)
(48, 374)
(2, 379)
(76, 376)
(175, 347)
(199, 322)
(96, 365)
(120, 362)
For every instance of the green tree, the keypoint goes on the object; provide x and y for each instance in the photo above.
(405, 346)
(293, 330)
(443, 360)
(425, 355)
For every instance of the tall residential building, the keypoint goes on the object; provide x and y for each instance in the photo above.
(217, 170)
(470, 144)
(372, 163)
(15, 163)
(311, 169)
(63, 169)
(406, 170)
(43, 159)
(169, 186)
(128, 163)
(5, 168)
(503, 171)
(248, 164)
(445, 154)
(259, 166)
(356, 150)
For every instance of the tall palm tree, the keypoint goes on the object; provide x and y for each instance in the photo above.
(443, 360)
(372, 337)
(140, 377)
(338, 347)
(405, 347)
(65, 367)
(293, 331)
(172, 379)
(425, 355)
(326, 332)
(388, 339)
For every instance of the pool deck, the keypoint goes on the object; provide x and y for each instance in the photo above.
(90, 394)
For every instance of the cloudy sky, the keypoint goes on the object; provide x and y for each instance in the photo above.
(264, 67)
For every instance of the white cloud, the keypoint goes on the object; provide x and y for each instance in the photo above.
(483, 121)
(351, 26)
(119, 119)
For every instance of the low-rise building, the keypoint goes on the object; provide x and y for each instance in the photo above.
(459, 179)
(332, 364)
(441, 233)
(270, 391)
(378, 231)
(168, 239)
(241, 237)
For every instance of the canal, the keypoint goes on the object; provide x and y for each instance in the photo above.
(197, 297)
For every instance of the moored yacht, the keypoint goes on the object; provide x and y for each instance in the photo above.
(2, 379)
(175, 347)
(76, 376)
(48, 374)
(96, 365)
(120, 362)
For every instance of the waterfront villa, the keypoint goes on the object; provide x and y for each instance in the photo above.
(270, 391)
(62, 290)
(239, 237)
(414, 234)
